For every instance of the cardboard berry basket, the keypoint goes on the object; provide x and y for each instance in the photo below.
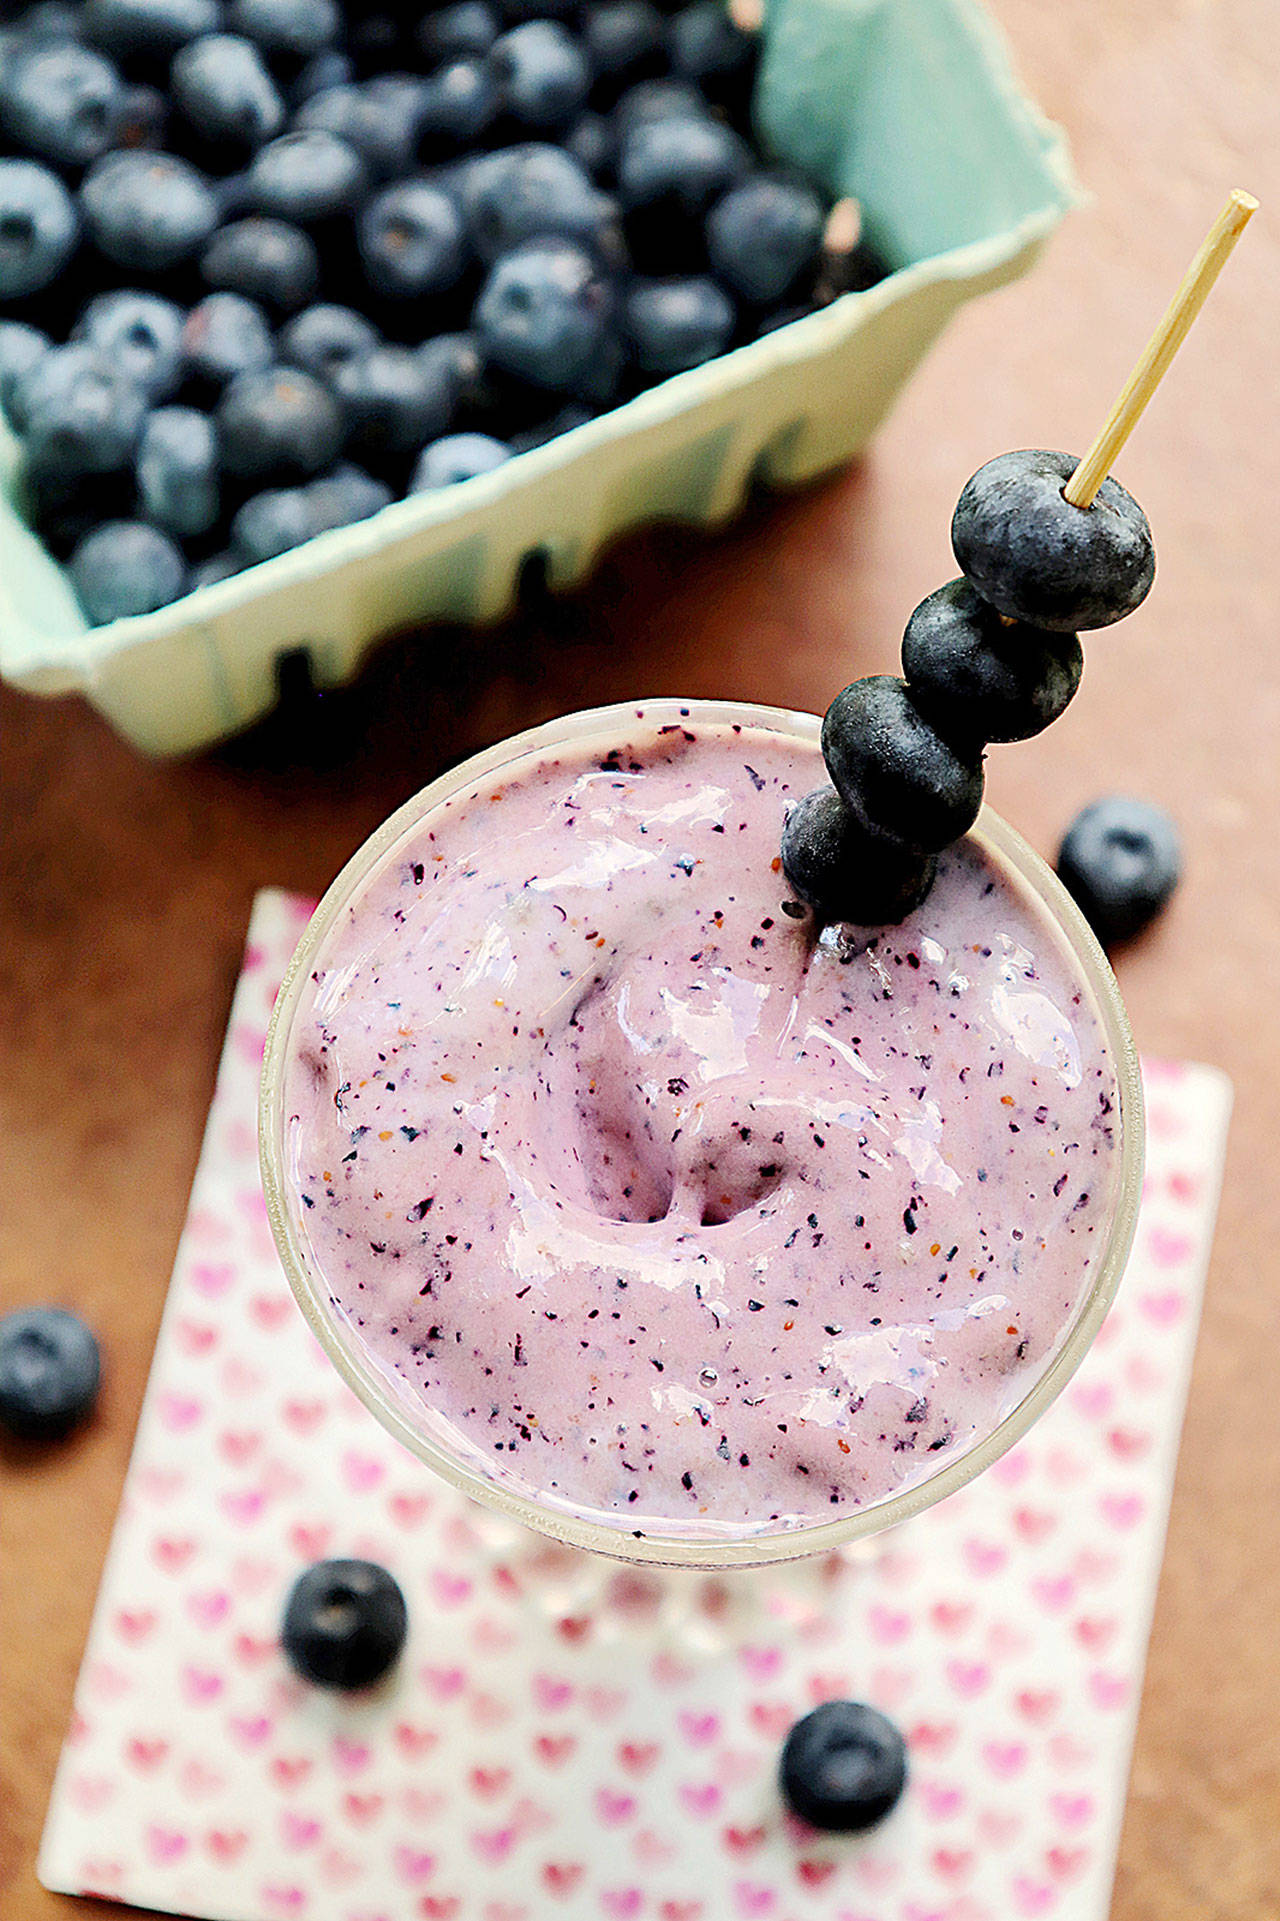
(908, 105)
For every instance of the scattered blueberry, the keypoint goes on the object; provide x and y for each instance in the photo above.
(324, 338)
(224, 335)
(177, 472)
(380, 126)
(457, 105)
(142, 119)
(305, 178)
(147, 211)
(674, 324)
(524, 192)
(976, 677)
(49, 1372)
(125, 567)
(680, 165)
(846, 873)
(139, 334)
(1121, 859)
(625, 41)
(1037, 558)
(457, 360)
(38, 228)
(652, 100)
(323, 70)
(343, 496)
(893, 772)
(464, 31)
(707, 47)
(411, 241)
(844, 1766)
(344, 1624)
(270, 523)
(277, 425)
(265, 260)
(80, 414)
(223, 87)
(391, 402)
(298, 29)
(59, 101)
(764, 237)
(546, 313)
(20, 348)
(147, 29)
(457, 457)
(542, 72)
(207, 573)
(592, 141)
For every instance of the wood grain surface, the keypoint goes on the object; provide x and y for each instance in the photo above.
(125, 886)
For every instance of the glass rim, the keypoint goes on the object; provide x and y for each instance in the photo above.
(579, 1530)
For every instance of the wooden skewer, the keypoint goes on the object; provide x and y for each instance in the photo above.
(747, 15)
(1164, 343)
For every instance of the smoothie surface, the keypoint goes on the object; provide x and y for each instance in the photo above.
(667, 1209)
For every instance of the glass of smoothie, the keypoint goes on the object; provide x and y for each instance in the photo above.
(654, 1214)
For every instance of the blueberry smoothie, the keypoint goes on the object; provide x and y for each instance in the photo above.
(653, 1201)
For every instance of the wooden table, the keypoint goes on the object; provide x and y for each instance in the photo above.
(125, 887)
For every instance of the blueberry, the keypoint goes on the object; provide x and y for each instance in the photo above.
(893, 771)
(707, 48)
(844, 1766)
(674, 324)
(322, 72)
(51, 20)
(1121, 858)
(652, 100)
(975, 677)
(680, 165)
(458, 361)
(125, 567)
(1037, 558)
(323, 338)
(142, 119)
(546, 314)
(563, 421)
(391, 402)
(21, 347)
(344, 1624)
(224, 336)
(49, 1372)
(266, 260)
(306, 177)
(523, 192)
(846, 873)
(38, 228)
(411, 241)
(542, 72)
(147, 211)
(592, 141)
(222, 86)
(344, 496)
(270, 523)
(458, 104)
(378, 122)
(139, 334)
(455, 458)
(60, 102)
(625, 41)
(177, 472)
(464, 31)
(298, 29)
(148, 29)
(764, 237)
(277, 425)
(80, 414)
(207, 573)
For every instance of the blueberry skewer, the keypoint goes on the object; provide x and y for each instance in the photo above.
(1047, 545)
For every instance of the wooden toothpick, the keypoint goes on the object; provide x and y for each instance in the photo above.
(1164, 343)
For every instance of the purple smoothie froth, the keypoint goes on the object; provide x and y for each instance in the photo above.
(668, 1208)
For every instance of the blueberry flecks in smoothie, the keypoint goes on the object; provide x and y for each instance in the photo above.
(666, 1181)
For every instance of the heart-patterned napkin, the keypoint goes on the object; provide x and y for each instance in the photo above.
(567, 1739)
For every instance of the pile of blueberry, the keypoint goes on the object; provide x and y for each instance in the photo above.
(266, 265)
(992, 656)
